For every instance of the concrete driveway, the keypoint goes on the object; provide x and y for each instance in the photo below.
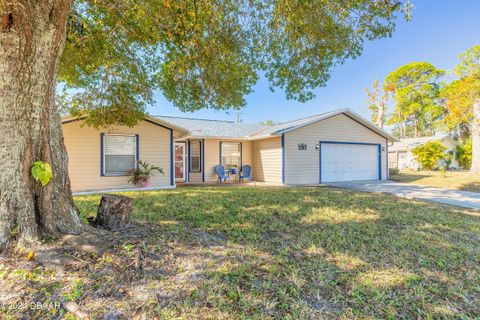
(446, 196)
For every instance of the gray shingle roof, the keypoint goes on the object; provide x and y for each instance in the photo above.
(230, 129)
(410, 143)
(275, 129)
(213, 128)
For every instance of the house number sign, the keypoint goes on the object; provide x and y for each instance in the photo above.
(302, 146)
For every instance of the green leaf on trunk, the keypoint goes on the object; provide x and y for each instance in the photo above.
(42, 172)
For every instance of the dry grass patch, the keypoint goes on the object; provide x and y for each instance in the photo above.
(457, 180)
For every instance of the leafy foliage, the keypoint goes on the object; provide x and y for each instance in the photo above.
(415, 90)
(268, 123)
(143, 173)
(430, 153)
(460, 95)
(393, 171)
(459, 98)
(42, 172)
(208, 54)
(469, 63)
(464, 154)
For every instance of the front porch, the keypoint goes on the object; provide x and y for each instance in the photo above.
(196, 160)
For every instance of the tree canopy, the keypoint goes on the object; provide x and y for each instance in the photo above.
(469, 65)
(423, 104)
(415, 90)
(458, 100)
(461, 94)
(208, 54)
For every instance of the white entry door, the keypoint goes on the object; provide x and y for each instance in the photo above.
(349, 162)
(180, 169)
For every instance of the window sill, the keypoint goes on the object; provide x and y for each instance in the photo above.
(116, 175)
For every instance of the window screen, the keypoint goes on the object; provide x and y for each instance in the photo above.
(195, 152)
(231, 154)
(119, 154)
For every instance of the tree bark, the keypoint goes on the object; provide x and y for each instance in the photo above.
(32, 36)
(476, 137)
(381, 115)
(459, 134)
(114, 211)
(415, 127)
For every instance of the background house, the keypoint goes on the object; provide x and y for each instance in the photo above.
(400, 153)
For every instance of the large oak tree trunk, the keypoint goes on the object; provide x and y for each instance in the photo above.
(476, 137)
(32, 35)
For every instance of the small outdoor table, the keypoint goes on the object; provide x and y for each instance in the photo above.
(235, 173)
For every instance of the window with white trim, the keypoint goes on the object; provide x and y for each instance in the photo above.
(231, 154)
(195, 156)
(119, 154)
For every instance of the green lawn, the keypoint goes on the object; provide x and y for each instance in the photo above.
(283, 253)
(458, 180)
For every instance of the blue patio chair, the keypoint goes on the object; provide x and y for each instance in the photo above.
(246, 173)
(222, 175)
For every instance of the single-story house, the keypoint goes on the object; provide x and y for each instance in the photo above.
(400, 154)
(333, 146)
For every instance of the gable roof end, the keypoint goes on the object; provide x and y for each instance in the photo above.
(300, 123)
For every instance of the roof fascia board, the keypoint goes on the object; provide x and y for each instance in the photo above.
(216, 137)
(152, 120)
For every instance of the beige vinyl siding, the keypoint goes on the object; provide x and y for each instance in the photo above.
(83, 148)
(212, 158)
(302, 166)
(267, 160)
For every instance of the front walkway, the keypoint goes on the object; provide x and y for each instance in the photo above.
(228, 184)
(446, 196)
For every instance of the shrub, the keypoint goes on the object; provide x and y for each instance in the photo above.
(143, 172)
(430, 153)
(443, 171)
(464, 155)
(393, 171)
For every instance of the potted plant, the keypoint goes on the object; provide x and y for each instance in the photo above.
(142, 174)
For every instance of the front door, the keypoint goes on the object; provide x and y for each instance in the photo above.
(180, 161)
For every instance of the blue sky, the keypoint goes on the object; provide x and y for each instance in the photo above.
(438, 32)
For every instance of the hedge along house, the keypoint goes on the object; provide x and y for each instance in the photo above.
(334, 146)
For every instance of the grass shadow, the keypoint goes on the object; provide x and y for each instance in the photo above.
(310, 252)
(408, 177)
(471, 187)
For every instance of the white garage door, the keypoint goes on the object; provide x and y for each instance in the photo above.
(349, 162)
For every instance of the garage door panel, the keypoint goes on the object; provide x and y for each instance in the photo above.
(349, 162)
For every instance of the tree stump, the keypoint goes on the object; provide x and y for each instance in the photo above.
(114, 211)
